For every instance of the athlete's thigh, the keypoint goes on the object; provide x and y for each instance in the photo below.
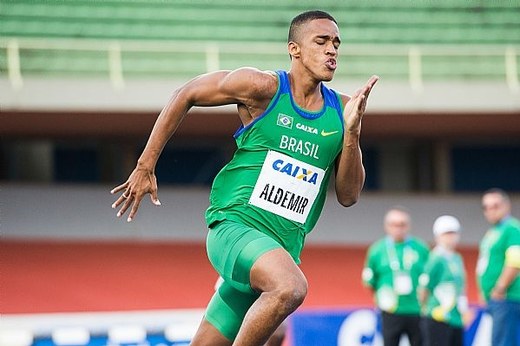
(234, 248)
(274, 269)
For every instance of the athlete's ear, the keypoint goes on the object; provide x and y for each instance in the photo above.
(294, 49)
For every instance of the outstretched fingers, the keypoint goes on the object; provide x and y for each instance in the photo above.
(366, 89)
(358, 101)
(370, 84)
(135, 207)
(127, 200)
(373, 80)
(119, 188)
(126, 204)
(133, 190)
(155, 198)
(124, 196)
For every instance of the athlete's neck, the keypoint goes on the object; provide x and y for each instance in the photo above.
(306, 92)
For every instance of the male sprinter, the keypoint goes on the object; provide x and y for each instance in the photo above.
(265, 201)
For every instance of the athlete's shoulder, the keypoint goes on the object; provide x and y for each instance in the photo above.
(262, 84)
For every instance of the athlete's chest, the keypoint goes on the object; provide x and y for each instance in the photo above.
(316, 140)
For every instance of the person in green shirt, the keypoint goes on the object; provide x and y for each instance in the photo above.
(498, 267)
(296, 132)
(442, 287)
(392, 268)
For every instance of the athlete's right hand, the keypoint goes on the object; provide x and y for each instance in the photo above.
(139, 183)
(355, 107)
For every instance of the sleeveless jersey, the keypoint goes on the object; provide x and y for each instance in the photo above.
(277, 179)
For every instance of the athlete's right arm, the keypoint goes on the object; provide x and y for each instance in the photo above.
(250, 88)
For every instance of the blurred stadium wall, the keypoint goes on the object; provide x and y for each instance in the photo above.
(81, 83)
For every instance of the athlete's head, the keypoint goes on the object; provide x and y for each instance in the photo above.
(300, 20)
(397, 223)
(313, 44)
(496, 205)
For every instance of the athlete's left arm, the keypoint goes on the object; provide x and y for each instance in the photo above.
(350, 173)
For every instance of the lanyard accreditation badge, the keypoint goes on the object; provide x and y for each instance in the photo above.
(402, 279)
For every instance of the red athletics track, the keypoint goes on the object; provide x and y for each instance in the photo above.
(58, 276)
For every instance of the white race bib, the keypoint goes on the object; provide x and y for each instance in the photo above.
(287, 187)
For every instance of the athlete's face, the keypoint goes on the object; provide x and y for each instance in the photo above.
(397, 225)
(495, 207)
(317, 48)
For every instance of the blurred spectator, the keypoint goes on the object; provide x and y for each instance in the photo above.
(498, 266)
(442, 287)
(392, 268)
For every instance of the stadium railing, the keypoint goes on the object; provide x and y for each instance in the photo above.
(129, 59)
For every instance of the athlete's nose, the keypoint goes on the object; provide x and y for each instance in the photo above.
(330, 49)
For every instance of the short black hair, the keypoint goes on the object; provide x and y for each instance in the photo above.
(305, 17)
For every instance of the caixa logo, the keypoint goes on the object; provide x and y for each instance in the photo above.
(296, 171)
(307, 128)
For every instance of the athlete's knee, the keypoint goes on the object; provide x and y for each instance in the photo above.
(292, 293)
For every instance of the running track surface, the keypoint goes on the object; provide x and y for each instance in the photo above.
(57, 276)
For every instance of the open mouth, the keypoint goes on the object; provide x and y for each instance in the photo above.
(331, 64)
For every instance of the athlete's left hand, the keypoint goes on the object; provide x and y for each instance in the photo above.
(355, 107)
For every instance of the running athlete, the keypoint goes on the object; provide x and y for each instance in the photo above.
(295, 132)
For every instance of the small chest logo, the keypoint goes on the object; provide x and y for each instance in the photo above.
(328, 133)
(307, 128)
(285, 120)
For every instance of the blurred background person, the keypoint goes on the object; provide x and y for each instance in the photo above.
(442, 287)
(498, 266)
(392, 268)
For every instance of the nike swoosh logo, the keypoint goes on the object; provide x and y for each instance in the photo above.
(325, 133)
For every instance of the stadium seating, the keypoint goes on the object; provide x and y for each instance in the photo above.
(249, 24)
(452, 22)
